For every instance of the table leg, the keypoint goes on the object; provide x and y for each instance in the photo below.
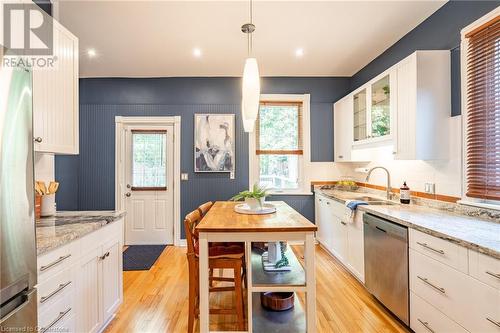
(310, 283)
(204, 293)
(248, 257)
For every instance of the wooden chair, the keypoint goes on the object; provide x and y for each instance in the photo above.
(220, 256)
(203, 209)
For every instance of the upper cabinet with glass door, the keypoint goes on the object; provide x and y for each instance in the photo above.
(380, 111)
(373, 110)
(359, 121)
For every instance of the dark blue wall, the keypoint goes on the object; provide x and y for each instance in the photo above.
(87, 180)
(440, 31)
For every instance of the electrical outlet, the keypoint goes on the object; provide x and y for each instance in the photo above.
(231, 175)
(430, 188)
(184, 176)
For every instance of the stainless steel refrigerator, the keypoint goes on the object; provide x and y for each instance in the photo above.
(18, 270)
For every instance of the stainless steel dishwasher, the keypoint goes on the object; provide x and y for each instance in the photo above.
(386, 264)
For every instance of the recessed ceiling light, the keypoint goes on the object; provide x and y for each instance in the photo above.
(299, 52)
(91, 53)
(197, 52)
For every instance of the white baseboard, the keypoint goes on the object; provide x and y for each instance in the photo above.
(182, 243)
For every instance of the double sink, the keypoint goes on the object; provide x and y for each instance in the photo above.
(373, 200)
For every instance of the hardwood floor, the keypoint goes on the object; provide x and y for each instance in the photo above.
(156, 300)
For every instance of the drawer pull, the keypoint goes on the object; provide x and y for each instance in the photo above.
(497, 323)
(430, 248)
(493, 274)
(61, 259)
(55, 292)
(327, 202)
(426, 325)
(55, 321)
(343, 222)
(104, 256)
(425, 280)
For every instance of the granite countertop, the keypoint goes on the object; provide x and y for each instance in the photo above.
(64, 227)
(468, 231)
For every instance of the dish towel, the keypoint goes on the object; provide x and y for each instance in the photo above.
(352, 205)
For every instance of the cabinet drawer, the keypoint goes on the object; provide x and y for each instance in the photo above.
(443, 251)
(424, 318)
(52, 317)
(438, 284)
(469, 302)
(61, 285)
(485, 268)
(53, 262)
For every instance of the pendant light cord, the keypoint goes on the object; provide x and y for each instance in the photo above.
(250, 39)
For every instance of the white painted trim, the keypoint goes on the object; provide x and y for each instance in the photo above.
(304, 160)
(463, 73)
(121, 122)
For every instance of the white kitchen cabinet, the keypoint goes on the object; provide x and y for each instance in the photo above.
(89, 292)
(80, 283)
(356, 248)
(373, 110)
(55, 97)
(407, 108)
(460, 297)
(343, 129)
(112, 293)
(342, 238)
(423, 106)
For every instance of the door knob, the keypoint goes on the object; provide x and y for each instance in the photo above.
(128, 194)
(129, 186)
(38, 139)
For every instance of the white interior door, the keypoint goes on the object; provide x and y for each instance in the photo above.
(149, 161)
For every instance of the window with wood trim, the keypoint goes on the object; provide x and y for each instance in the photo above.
(149, 160)
(483, 111)
(278, 135)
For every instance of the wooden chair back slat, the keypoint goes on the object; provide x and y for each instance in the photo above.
(190, 222)
(203, 209)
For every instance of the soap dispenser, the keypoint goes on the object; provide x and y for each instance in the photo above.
(404, 194)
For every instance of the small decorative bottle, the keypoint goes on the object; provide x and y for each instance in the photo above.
(404, 194)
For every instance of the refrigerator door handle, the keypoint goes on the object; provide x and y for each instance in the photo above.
(24, 296)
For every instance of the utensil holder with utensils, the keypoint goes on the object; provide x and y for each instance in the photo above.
(48, 197)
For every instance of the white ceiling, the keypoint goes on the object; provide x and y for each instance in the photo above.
(157, 38)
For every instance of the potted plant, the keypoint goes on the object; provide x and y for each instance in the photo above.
(254, 198)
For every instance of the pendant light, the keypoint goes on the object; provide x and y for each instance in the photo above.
(251, 81)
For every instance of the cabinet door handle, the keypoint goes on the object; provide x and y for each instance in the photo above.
(38, 139)
(342, 222)
(327, 202)
(55, 321)
(430, 248)
(497, 323)
(380, 229)
(341, 156)
(426, 325)
(55, 292)
(104, 256)
(425, 280)
(320, 200)
(58, 261)
(493, 274)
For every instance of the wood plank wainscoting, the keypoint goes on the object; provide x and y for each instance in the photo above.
(157, 300)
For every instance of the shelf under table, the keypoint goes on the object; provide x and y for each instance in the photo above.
(295, 277)
(290, 321)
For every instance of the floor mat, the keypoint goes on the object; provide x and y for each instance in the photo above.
(141, 257)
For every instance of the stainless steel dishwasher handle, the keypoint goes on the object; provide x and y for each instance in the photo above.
(430, 248)
(425, 280)
(44, 268)
(426, 325)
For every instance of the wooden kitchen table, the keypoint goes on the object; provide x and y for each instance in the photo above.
(223, 224)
